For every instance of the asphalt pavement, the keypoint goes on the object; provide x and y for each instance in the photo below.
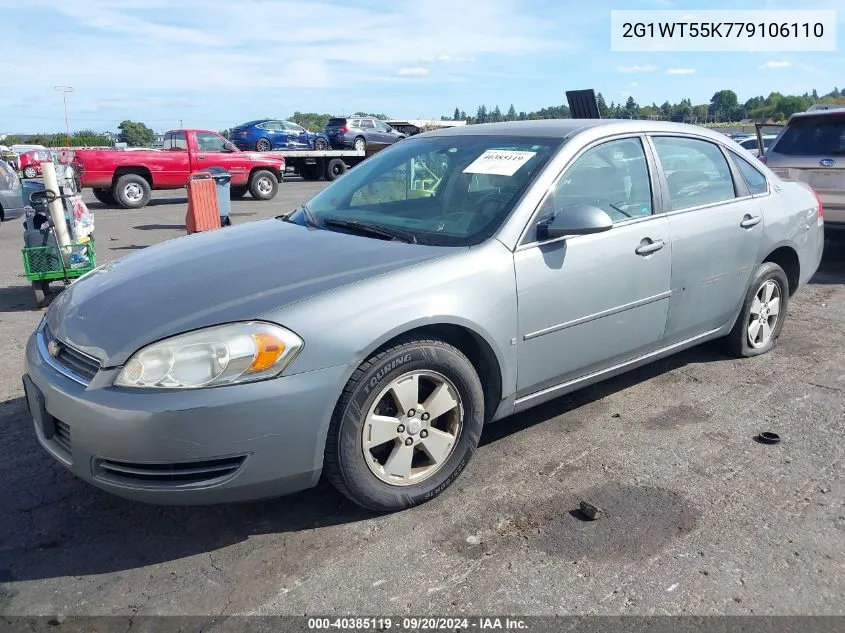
(699, 518)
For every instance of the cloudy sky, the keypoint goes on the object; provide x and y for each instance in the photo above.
(215, 63)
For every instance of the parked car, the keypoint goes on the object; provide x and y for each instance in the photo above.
(445, 283)
(14, 195)
(753, 145)
(811, 149)
(128, 178)
(265, 135)
(359, 132)
(29, 163)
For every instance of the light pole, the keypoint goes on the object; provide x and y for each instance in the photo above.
(64, 90)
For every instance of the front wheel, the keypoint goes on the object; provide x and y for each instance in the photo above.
(30, 172)
(263, 185)
(763, 313)
(321, 144)
(406, 425)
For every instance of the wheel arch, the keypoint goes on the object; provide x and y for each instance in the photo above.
(144, 172)
(279, 175)
(787, 258)
(473, 344)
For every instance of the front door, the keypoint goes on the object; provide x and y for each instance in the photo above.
(717, 231)
(590, 302)
(212, 152)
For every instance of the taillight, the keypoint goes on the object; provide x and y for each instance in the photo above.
(344, 130)
(819, 210)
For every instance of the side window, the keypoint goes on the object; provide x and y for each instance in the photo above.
(293, 127)
(367, 124)
(756, 181)
(175, 141)
(696, 170)
(612, 176)
(381, 127)
(355, 123)
(210, 142)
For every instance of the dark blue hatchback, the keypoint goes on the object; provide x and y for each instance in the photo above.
(264, 135)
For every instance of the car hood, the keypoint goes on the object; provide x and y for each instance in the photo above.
(231, 274)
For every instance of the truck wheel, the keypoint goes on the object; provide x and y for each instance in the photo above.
(105, 197)
(263, 145)
(406, 425)
(263, 185)
(310, 172)
(335, 168)
(132, 191)
(236, 193)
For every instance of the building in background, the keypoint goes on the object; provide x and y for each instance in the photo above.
(415, 126)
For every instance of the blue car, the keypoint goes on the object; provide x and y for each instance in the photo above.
(265, 135)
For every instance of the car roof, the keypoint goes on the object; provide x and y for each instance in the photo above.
(817, 114)
(566, 128)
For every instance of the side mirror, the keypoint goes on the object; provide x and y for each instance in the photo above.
(228, 147)
(576, 219)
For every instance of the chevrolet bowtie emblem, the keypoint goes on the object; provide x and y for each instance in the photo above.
(53, 349)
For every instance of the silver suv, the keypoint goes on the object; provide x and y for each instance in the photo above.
(811, 148)
(358, 132)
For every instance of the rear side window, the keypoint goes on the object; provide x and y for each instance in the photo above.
(697, 172)
(367, 124)
(756, 181)
(177, 141)
(813, 136)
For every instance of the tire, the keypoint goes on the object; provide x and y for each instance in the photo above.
(739, 341)
(263, 185)
(105, 197)
(132, 191)
(364, 480)
(236, 193)
(263, 145)
(30, 172)
(310, 172)
(321, 144)
(359, 144)
(335, 168)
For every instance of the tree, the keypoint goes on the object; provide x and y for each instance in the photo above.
(457, 114)
(632, 110)
(136, 134)
(496, 115)
(481, 115)
(463, 116)
(603, 110)
(666, 110)
(511, 115)
(723, 103)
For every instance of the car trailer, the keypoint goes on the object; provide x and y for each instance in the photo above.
(318, 164)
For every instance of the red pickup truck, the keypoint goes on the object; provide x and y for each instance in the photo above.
(127, 177)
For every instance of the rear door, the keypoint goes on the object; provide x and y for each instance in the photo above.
(812, 149)
(211, 152)
(717, 230)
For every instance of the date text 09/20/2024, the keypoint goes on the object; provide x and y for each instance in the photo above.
(416, 624)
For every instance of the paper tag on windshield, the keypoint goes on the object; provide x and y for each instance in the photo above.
(499, 162)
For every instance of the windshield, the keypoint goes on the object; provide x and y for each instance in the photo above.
(813, 136)
(449, 190)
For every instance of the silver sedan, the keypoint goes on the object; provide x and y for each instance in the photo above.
(444, 284)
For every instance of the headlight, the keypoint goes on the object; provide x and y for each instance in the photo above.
(211, 357)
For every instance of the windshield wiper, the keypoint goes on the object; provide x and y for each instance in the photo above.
(310, 219)
(372, 229)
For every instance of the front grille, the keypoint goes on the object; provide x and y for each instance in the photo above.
(61, 434)
(83, 367)
(167, 475)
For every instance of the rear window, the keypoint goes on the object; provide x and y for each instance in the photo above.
(336, 123)
(813, 136)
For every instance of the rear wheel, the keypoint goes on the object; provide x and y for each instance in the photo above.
(236, 193)
(335, 168)
(263, 145)
(406, 426)
(763, 313)
(132, 191)
(30, 172)
(105, 196)
(263, 185)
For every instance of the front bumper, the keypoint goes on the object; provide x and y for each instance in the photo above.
(220, 445)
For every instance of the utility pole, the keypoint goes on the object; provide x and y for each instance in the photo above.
(64, 90)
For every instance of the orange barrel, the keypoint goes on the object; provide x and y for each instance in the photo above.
(203, 210)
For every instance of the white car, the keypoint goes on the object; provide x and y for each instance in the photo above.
(753, 146)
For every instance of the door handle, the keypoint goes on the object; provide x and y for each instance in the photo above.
(647, 247)
(748, 221)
